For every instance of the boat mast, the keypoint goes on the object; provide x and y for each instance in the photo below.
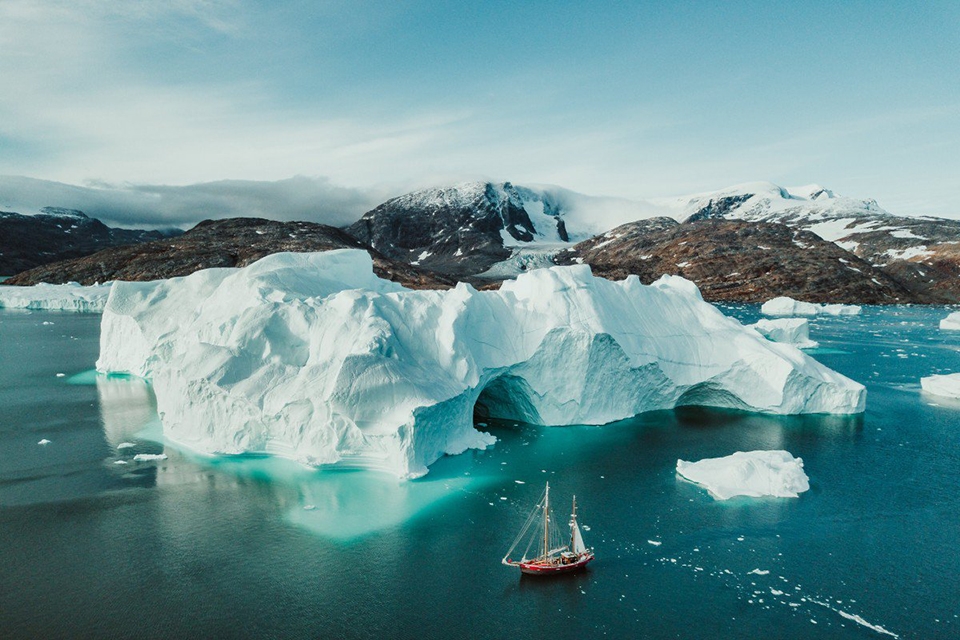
(573, 523)
(546, 521)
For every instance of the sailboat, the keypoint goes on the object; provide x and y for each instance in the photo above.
(554, 554)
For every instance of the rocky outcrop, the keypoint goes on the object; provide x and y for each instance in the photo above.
(742, 261)
(234, 242)
(57, 234)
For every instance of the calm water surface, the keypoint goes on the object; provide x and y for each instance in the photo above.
(96, 544)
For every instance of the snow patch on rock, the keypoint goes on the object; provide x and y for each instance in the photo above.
(748, 473)
(314, 358)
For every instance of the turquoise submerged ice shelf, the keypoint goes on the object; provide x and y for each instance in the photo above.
(193, 546)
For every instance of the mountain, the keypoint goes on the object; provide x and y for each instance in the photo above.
(734, 260)
(921, 252)
(749, 242)
(54, 234)
(469, 228)
(234, 242)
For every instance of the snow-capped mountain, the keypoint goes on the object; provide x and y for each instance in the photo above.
(922, 252)
(468, 228)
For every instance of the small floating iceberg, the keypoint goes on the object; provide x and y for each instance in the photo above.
(149, 457)
(56, 297)
(947, 385)
(748, 473)
(784, 306)
(951, 322)
(795, 331)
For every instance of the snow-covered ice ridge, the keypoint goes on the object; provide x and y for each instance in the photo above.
(312, 357)
(748, 473)
(55, 297)
(784, 306)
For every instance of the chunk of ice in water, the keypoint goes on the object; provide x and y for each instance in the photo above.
(146, 457)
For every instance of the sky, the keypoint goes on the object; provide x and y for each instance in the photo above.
(343, 104)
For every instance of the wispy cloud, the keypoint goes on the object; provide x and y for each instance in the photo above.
(631, 101)
(300, 198)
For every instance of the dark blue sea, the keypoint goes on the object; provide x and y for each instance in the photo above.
(95, 544)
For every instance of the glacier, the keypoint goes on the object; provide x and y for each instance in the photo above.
(753, 474)
(314, 358)
(56, 297)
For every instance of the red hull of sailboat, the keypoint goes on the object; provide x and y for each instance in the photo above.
(537, 569)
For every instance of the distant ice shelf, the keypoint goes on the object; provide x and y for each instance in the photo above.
(314, 358)
(55, 297)
(748, 473)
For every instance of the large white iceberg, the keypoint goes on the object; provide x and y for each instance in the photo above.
(55, 297)
(951, 322)
(748, 473)
(795, 331)
(947, 385)
(784, 306)
(313, 357)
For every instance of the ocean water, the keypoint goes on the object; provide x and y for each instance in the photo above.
(94, 543)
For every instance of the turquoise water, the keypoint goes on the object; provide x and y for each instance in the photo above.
(250, 546)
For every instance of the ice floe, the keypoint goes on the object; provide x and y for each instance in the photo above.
(748, 473)
(795, 331)
(947, 385)
(147, 457)
(314, 358)
(951, 322)
(55, 297)
(784, 306)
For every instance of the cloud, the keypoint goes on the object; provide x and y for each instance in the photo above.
(299, 198)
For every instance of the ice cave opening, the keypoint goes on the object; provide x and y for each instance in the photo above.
(507, 397)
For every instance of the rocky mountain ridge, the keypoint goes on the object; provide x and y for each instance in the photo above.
(54, 234)
(233, 242)
(749, 243)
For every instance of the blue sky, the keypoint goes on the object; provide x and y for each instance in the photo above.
(631, 99)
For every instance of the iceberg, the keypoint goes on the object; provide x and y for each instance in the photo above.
(947, 385)
(55, 297)
(951, 322)
(795, 331)
(784, 306)
(748, 473)
(312, 357)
